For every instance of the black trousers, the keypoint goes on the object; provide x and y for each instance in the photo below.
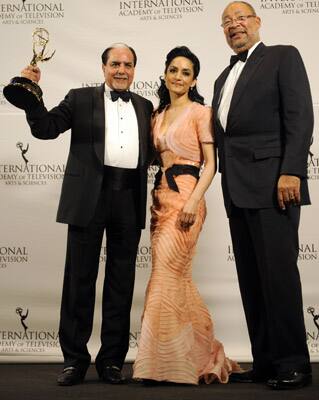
(265, 243)
(116, 215)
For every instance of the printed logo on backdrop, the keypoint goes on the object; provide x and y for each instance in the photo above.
(25, 172)
(19, 311)
(290, 7)
(25, 339)
(146, 89)
(307, 252)
(151, 172)
(312, 324)
(143, 258)
(30, 12)
(91, 84)
(3, 100)
(160, 10)
(134, 339)
(313, 164)
(12, 255)
(230, 253)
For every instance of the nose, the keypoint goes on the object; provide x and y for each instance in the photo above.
(178, 75)
(121, 68)
(234, 21)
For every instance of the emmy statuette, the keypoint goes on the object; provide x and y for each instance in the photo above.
(22, 92)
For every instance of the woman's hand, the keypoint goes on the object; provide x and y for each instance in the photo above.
(187, 216)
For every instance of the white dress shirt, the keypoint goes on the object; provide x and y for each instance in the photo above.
(121, 133)
(228, 89)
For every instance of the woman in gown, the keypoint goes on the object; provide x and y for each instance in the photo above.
(177, 342)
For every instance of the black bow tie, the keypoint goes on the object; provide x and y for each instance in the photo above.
(238, 57)
(124, 95)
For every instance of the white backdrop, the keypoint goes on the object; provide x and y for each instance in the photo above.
(32, 245)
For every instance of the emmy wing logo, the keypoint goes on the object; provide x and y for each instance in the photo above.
(23, 316)
(313, 330)
(315, 317)
(23, 151)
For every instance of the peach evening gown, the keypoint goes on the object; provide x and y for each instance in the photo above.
(177, 342)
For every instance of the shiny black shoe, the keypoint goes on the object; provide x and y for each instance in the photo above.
(111, 374)
(249, 376)
(290, 380)
(71, 376)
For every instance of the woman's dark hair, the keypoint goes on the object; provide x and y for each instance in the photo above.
(162, 92)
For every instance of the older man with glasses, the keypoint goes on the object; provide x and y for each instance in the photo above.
(263, 125)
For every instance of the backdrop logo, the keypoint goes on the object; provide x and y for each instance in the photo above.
(134, 338)
(146, 88)
(152, 171)
(91, 84)
(159, 10)
(13, 255)
(27, 340)
(143, 257)
(25, 12)
(313, 164)
(28, 173)
(23, 151)
(19, 311)
(230, 253)
(290, 6)
(3, 100)
(308, 252)
(313, 330)
(143, 88)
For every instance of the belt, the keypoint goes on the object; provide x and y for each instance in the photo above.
(176, 170)
(119, 178)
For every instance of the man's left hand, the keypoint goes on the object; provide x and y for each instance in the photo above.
(288, 191)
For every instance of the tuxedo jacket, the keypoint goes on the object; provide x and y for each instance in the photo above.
(269, 127)
(82, 111)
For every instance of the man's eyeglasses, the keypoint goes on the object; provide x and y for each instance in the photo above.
(238, 20)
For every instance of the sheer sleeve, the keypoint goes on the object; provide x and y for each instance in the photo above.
(204, 125)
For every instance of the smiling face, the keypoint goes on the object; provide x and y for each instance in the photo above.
(119, 69)
(241, 35)
(179, 76)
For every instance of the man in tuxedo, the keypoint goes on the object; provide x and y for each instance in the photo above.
(263, 125)
(104, 189)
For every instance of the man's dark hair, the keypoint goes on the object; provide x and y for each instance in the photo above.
(105, 54)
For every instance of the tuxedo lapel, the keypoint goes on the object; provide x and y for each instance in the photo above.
(143, 131)
(249, 69)
(99, 122)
